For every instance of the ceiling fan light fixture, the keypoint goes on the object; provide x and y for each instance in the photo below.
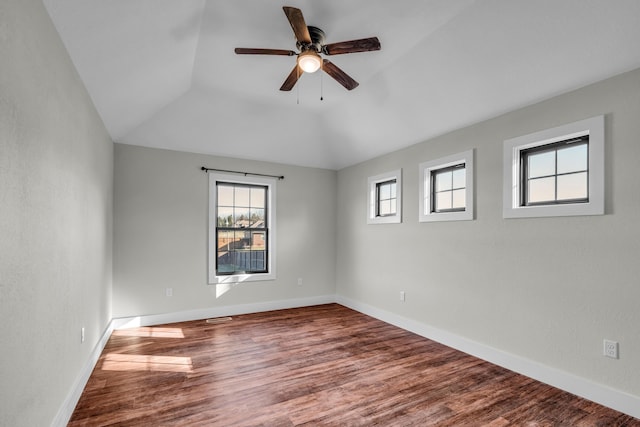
(309, 61)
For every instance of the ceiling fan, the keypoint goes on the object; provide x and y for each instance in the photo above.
(310, 42)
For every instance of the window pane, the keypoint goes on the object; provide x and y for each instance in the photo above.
(257, 218)
(226, 244)
(459, 199)
(225, 195)
(385, 207)
(384, 191)
(258, 261)
(573, 186)
(443, 181)
(258, 197)
(541, 190)
(573, 159)
(225, 240)
(542, 164)
(258, 240)
(243, 261)
(443, 200)
(459, 178)
(392, 187)
(241, 218)
(225, 217)
(242, 196)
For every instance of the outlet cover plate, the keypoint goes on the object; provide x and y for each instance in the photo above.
(610, 349)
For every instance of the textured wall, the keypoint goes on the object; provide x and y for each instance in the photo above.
(160, 239)
(56, 174)
(545, 289)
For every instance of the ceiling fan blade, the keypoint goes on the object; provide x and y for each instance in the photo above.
(352, 46)
(291, 80)
(299, 27)
(340, 76)
(252, 51)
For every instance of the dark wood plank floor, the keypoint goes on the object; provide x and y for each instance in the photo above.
(317, 366)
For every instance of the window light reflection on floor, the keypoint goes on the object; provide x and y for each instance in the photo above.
(143, 362)
(150, 332)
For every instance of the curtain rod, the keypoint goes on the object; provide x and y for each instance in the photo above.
(206, 169)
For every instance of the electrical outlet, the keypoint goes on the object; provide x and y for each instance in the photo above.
(168, 292)
(402, 297)
(610, 349)
(299, 281)
(82, 334)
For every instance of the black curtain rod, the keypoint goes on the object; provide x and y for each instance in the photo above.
(206, 169)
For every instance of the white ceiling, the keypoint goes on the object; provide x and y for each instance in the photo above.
(163, 73)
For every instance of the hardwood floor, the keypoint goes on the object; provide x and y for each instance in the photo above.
(316, 366)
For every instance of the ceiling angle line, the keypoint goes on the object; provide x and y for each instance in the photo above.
(206, 169)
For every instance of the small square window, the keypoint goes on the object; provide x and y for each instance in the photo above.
(385, 198)
(446, 188)
(556, 172)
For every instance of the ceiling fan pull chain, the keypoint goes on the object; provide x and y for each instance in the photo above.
(321, 88)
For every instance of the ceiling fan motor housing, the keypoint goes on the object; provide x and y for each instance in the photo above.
(317, 40)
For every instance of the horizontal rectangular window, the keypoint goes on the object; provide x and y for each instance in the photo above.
(555, 172)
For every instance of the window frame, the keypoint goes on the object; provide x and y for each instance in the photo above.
(426, 171)
(373, 198)
(270, 219)
(513, 206)
(554, 147)
(379, 199)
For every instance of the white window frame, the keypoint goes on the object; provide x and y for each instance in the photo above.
(372, 217)
(270, 183)
(425, 173)
(594, 127)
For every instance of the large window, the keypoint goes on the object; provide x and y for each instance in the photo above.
(241, 228)
(384, 198)
(446, 188)
(555, 172)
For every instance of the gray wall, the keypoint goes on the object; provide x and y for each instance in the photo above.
(160, 239)
(56, 174)
(545, 289)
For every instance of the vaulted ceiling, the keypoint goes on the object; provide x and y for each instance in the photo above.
(163, 73)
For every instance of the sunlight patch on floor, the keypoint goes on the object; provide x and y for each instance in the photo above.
(142, 362)
(150, 332)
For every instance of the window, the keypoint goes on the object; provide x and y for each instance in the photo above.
(446, 188)
(556, 172)
(241, 228)
(385, 198)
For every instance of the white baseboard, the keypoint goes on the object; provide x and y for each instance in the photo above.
(604, 395)
(66, 410)
(231, 310)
